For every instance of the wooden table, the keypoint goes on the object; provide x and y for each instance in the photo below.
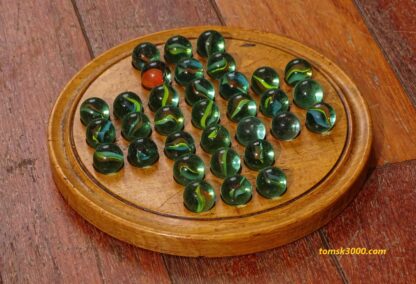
(43, 44)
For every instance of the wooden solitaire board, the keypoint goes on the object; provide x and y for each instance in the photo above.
(145, 207)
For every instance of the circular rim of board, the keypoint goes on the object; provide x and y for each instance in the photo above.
(213, 237)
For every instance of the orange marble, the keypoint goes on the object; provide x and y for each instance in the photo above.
(152, 78)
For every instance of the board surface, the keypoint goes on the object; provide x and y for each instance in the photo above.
(144, 206)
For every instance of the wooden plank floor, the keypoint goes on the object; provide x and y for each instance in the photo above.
(43, 43)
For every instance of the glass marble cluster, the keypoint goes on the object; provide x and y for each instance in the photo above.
(215, 137)
(285, 126)
(93, 108)
(205, 113)
(320, 118)
(199, 89)
(199, 196)
(274, 101)
(258, 155)
(178, 144)
(271, 182)
(250, 129)
(126, 103)
(263, 79)
(307, 93)
(143, 54)
(177, 48)
(297, 70)
(135, 125)
(163, 95)
(236, 190)
(155, 73)
(142, 152)
(220, 64)
(240, 106)
(100, 131)
(210, 42)
(225, 162)
(188, 168)
(188, 69)
(233, 83)
(108, 158)
(168, 119)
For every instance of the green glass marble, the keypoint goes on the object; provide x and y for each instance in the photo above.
(188, 69)
(126, 103)
(135, 125)
(210, 42)
(155, 73)
(205, 113)
(285, 126)
(100, 131)
(307, 93)
(168, 119)
(220, 64)
(263, 79)
(250, 129)
(271, 182)
(225, 162)
(199, 89)
(177, 48)
(274, 101)
(297, 70)
(258, 155)
(215, 137)
(163, 95)
(188, 168)
(178, 144)
(320, 118)
(93, 108)
(142, 153)
(108, 158)
(199, 196)
(236, 190)
(233, 83)
(240, 106)
(143, 54)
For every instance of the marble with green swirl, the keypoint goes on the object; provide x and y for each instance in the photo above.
(274, 101)
(93, 108)
(144, 53)
(225, 162)
(168, 119)
(233, 83)
(100, 131)
(250, 129)
(199, 89)
(320, 118)
(108, 158)
(199, 196)
(163, 95)
(210, 42)
(177, 48)
(178, 144)
(126, 103)
(263, 79)
(285, 126)
(205, 113)
(258, 155)
(188, 168)
(271, 182)
(236, 190)
(135, 125)
(297, 70)
(307, 93)
(188, 69)
(239, 106)
(215, 137)
(219, 64)
(142, 152)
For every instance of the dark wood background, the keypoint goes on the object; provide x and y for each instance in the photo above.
(43, 44)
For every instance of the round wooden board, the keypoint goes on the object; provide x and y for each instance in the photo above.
(144, 206)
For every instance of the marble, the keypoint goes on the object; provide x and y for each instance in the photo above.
(225, 162)
(219, 64)
(108, 158)
(168, 119)
(178, 144)
(297, 70)
(144, 53)
(155, 73)
(100, 131)
(285, 126)
(142, 152)
(215, 137)
(177, 48)
(125, 103)
(205, 113)
(163, 95)
(233, 83)
(135, 125)
(274, 101)
(188, 168)
(263, 79)
(188, 69)
(307, 93)
(199, 89)
(236, 190)
(320, 118)
(199, 196)
(93, 108)
(240, 106)
(210, 42)
(271, 182)
(258, 155)
(250, 129)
